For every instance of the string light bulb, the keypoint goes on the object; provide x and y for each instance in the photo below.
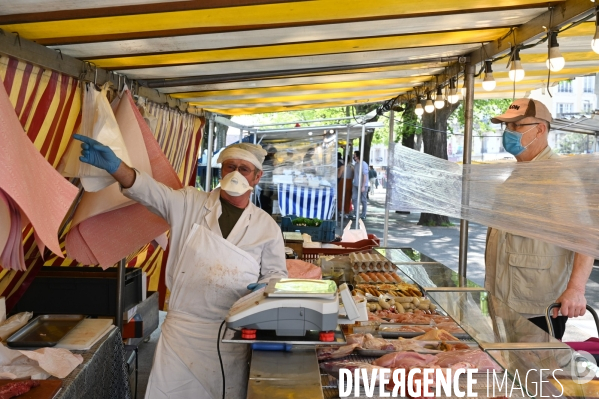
(463, 89)
(489, 81)
(516, 72)
(453, 96)
(419, 111)
(439, 100)
(429, 106)
(595, 41)
(556, 61)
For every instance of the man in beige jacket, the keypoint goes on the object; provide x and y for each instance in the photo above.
(525, 273)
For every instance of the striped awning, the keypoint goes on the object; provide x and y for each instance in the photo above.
(253, 56)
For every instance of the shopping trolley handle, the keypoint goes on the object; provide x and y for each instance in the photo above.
(559, 305)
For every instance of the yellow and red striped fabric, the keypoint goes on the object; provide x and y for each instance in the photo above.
(48, 105)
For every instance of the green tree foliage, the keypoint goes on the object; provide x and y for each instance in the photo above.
(483, 111)
(381, 135)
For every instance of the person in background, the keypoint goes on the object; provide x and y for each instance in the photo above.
(221, 246)
(288, 161)
(266, 191)
(345, 173)
(372, 175)
(530, 274)
(308, 162)
(362, 191)
(339, 160)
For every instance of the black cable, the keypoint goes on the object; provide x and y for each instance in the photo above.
(220, 359)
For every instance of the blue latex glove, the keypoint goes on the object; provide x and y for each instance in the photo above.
(97, 154)
(255, 286)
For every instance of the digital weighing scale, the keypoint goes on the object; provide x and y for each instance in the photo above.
(294, 308)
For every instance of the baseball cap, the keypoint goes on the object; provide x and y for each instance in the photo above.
(523, 108)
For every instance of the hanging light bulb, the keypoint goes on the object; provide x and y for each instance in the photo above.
(489, 81)
(516, 72)
(439, 100)
(429, 106)
(463, 89)
(556, 61)
(453, 96)
(595, 41)
(419, 111)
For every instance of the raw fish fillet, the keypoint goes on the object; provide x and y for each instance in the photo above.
(405, 360)
(436, 335)
(475, 357)
(335, 352)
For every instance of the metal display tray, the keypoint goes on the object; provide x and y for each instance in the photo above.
(413, 334)
(44, 331)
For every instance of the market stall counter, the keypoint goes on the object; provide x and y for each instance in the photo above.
(103, 373)
(465, 325)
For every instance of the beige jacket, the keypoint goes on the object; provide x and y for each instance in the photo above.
(525, 273)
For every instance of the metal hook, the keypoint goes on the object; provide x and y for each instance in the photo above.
(18, 38)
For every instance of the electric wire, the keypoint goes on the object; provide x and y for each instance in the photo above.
(220, 359)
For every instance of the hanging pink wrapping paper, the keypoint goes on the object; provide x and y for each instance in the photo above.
(78, 249)
(5, 222)
(113, 235)
(110, 198)
(42, 194)
(12, 256)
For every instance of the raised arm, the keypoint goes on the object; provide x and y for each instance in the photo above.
(157, 197)
(102, 157)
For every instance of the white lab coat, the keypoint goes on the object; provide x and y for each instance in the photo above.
(206, 275)
(256, 232)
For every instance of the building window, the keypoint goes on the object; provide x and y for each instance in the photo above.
(589, 84)
(587, 107)
(564, 86)
(565, 108)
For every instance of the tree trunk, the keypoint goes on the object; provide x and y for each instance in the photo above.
(434, 137)
(409, 129)
(363, 110)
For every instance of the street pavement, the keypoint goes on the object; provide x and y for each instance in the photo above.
(442, 244)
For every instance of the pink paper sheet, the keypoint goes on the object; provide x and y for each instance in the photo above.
(113, 235)
(78, 249)
(12, 256)
(41, 193)
(5, 221)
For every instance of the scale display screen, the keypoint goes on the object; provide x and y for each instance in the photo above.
(287, 287)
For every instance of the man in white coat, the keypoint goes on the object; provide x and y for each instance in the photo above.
(222, 245)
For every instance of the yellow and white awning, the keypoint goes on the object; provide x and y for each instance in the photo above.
(253, 56)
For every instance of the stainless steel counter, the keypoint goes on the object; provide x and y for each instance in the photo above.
(278, 375)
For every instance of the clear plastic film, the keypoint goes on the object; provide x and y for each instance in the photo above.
(300, 178)
(555, 200)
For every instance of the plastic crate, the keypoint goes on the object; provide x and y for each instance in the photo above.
(312, 254)
(323, 233)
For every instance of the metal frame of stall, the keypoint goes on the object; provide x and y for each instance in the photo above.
(361, 121)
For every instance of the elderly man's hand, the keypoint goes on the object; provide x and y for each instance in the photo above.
(573, 303)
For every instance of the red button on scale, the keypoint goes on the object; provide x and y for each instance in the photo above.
(246, 333)
(327, 336)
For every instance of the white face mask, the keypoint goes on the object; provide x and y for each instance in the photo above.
(235, 184)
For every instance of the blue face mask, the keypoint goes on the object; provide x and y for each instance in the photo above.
(512, 141)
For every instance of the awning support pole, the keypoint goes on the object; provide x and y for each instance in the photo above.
(208, 187)
(390, 149)
(357, 206)
(344, 180)
(468, 125)
(120, 289)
